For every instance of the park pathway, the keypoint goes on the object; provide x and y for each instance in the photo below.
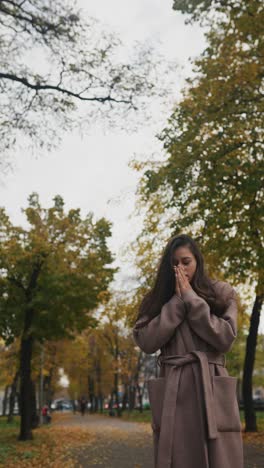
(122, 444)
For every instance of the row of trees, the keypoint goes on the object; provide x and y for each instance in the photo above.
(97, 361)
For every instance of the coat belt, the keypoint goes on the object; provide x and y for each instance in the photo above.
(170, 397)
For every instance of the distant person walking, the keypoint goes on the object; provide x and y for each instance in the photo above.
(46, 414)
(83, 404)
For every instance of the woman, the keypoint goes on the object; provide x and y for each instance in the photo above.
(192, 320)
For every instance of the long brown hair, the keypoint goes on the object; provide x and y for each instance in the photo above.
(164, 285)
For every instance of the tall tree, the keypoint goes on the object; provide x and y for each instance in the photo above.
(53, 62)
(209, 10)
(52, 277)
(211, 182)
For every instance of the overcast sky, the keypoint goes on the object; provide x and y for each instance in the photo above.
(92, 172)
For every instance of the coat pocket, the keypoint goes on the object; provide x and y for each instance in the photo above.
(156, 390)
(226, 404)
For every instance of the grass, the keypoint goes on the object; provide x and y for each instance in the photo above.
(145, 416)
(49, 447)
(136, 416)
(7, 437)
(15, 453)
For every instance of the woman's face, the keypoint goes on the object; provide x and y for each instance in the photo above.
(184, 257)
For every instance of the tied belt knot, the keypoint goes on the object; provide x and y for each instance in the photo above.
(176, 362)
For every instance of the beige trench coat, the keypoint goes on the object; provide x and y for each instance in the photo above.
(195, 414)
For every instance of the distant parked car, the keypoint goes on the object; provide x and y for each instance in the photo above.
(61, 405)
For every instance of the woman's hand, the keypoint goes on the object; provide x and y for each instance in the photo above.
(182, 282)
(177, 287)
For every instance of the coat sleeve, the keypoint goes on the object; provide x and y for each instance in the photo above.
(151, 335)
(219, 332)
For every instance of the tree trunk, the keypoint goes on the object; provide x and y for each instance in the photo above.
(132, 397)
(95, 403)
(116, 381)
(140, 396)
(5, 399)
(26, 349)
(111, 403)
(48, 392)
(18, 400)
(250, 415)
(125, 398)
(34, 411)
(12, 398)
(91, 393)
(101, 400)
(25, 388)
(99, 385)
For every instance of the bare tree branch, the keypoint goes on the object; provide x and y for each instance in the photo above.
(39, 87)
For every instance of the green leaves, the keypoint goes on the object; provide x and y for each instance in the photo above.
(58, 267)
(211, 181)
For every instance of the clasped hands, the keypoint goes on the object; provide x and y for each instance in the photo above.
(181, 281)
